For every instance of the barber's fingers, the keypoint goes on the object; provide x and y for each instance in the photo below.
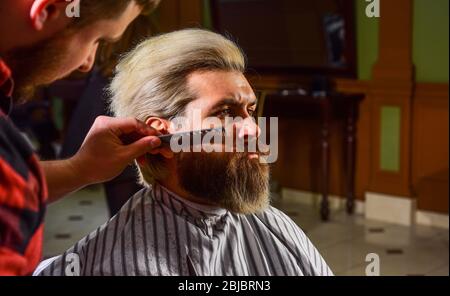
(164, 151)
(122, 126)
(141, 147)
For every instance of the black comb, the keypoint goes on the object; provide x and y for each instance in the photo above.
(133, 137)
(168, 137)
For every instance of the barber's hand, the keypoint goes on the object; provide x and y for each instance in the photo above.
(104, 154)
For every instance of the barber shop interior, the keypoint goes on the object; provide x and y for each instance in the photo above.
(344, 101)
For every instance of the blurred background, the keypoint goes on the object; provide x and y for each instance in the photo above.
(363, 109)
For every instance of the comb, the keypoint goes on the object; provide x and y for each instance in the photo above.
(133, 137)
(167, 138)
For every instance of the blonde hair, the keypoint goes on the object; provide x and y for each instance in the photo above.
(151, 80)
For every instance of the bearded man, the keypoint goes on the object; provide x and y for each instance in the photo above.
(200, 213)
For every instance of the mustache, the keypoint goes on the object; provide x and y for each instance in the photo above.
(215, 136)
(250, 145)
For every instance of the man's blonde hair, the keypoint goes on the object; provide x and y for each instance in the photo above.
(151, 80)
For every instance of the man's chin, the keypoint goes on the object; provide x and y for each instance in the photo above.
(237, 182)
(26, 93)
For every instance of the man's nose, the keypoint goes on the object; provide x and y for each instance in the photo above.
(247, 128)
(89, 62)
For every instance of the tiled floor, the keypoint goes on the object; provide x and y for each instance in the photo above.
(70, 219)
(344, 242)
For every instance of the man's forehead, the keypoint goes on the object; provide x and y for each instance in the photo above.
(239, 98)
(215, 86)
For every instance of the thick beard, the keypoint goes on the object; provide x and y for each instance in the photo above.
(228, 180)
(35, 66)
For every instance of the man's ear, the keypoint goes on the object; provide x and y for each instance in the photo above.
(45, 11)
(162, 126)
(159, 124)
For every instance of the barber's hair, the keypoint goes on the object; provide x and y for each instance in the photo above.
(94, 10)
(108, 54)
(151, 80)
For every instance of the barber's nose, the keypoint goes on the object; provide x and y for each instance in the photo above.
(89, 62)
(247, 128)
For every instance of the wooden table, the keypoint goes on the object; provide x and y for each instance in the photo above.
(291, 104)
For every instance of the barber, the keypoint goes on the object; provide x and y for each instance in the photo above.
(40, 43)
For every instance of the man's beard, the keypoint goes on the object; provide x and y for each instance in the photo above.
(228, 180)
(35, 66)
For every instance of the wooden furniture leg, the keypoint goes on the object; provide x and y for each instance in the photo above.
(325, 145)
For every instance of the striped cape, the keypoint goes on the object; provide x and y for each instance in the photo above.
(159, 233)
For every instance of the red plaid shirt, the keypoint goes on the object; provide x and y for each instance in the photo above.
(23, 193)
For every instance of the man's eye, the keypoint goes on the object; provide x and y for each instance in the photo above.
(224, 113)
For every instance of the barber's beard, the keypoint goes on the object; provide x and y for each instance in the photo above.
(35, 66)
(228, 180)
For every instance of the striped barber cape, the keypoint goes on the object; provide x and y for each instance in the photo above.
(160, 233)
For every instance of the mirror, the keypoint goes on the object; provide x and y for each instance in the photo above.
(300, 36)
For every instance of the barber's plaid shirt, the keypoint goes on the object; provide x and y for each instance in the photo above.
(23, 193)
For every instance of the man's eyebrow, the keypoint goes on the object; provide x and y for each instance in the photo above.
(232, 102)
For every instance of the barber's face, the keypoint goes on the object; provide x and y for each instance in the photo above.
(236, 181)
(65, 52)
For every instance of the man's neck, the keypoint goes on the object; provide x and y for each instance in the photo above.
(172, 184)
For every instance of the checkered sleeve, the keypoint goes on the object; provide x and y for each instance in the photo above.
(22, 203)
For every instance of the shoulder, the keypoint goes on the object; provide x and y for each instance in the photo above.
(80, 257)
(142, 196)
(280, 225)
(275, 217)
(294, 239)
(15, 152)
